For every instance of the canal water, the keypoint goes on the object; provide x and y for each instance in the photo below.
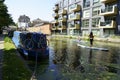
(67, 61)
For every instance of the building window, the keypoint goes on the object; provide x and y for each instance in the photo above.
(71, 24)
(71, 1)
(85, 32)
(77, 0)
(72, 6)
(95, 22)
(96, 2)
(86, 13)
(95, 11)
(86, 3)
(65, 2)
(60, 17)
(77, 22)
(71, 16)
(85, 23)
(60, 5)
(109, 32)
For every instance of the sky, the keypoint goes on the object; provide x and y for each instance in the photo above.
(42, 9)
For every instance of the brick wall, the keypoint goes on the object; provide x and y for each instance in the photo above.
(45, 29)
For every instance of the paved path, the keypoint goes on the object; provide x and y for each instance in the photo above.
(1, 54)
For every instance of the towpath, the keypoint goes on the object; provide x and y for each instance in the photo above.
(1, 54)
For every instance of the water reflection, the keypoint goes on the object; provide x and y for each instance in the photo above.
(90, 56)
(68, 56)
(67, 61)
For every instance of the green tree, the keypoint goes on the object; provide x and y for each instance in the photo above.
(5, 18)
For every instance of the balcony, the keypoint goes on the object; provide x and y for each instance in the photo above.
(110, 24)
(62, 27)
(55, 15)
(56, 21)
(54, 27)
(74, 8)
(56, 8)
(62, 19)
(86, 4)
(75, 17)
(63, 12)
(76, 26)
(108, 11)
(108, 1)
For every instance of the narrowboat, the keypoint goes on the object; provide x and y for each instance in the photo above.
(31, 44)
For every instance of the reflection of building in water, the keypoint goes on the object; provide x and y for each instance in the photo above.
(90, 57)
(73, 59)
(60, 52)
(60, 56)
(114, 59)
(99, 61)
(69, 56)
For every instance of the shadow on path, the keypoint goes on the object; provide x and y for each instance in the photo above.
(1, 54)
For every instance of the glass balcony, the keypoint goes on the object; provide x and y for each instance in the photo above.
(54, 27)
(56, 21)
(56, 8)
(107, 24)
(74, 8)
(62, 19)
(55, 15)
(75, 26)
(75, 17)
(62, 12)
(62, 27)
(109, 10)
(108, 1)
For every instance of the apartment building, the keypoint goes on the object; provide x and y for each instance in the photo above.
(80, 17)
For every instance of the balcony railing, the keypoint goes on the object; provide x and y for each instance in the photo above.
(62, 11)
(74, 8)
(55, 15)
(109, 10)
(62, 27)
(56, 8)
(108, 1)
(107, 24)
(75, 17)
(63, 19)
(75, 26)
(54, 27)
(56, 21)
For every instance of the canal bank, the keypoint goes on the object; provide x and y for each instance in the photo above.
(112, 39)
(14, 68)
(1, 54)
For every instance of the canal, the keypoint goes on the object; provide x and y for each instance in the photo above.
(67, 61)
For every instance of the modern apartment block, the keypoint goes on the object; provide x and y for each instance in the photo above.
(80, 17)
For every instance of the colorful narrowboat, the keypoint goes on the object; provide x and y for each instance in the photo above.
(31, 44)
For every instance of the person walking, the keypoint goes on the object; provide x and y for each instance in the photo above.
(91, 37)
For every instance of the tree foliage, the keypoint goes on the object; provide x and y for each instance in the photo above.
(5, 18)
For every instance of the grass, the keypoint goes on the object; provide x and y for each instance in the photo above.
(13, 67)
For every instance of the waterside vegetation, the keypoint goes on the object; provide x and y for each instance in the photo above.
(13, 66)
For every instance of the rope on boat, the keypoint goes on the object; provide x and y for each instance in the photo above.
(35, 68)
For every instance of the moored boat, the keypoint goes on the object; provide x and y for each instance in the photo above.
(31, 44)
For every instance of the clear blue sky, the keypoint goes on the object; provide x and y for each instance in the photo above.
(42, 9)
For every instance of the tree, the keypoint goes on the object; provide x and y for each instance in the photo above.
(5, 18)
